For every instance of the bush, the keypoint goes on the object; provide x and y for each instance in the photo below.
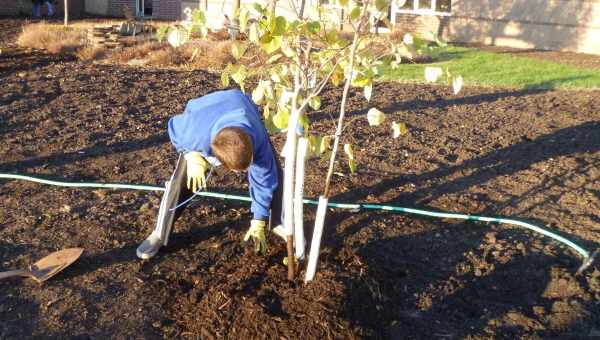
(138, 51)
(197, 54)
(89, 53)
(55, 39)
(210, 55)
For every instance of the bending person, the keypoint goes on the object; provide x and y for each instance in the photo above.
(221, 128)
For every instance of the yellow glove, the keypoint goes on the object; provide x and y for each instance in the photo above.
(257, 232)
(196, 170)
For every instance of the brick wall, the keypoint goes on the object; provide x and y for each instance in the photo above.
(13, 7)
(570, 25)
(166, 9)
(421, 25)
(116, 7)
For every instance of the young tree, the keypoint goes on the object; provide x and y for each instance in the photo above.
(296, 60)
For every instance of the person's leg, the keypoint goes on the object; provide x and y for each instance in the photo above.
(36, 8)
(50, 8)
(276, 218)
(175, 193)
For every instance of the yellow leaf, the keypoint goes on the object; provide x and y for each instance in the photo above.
(375, 117)
(399, 129)
(433, 73)
(348, 151)
(457, 83)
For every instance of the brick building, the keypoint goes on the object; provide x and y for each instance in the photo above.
(25, 8)
(570, 25)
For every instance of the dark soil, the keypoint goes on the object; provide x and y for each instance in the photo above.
(529, 154)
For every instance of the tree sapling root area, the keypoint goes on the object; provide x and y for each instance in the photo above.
(532, 154)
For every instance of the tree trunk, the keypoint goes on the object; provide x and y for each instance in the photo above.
(272, 5)
(66, 12)
(302, 5)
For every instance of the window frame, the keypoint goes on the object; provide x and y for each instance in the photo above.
(430, 11)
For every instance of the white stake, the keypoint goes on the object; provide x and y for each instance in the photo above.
(315, 246)
(299, 242)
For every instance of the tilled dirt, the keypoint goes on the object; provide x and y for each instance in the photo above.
(528, 154)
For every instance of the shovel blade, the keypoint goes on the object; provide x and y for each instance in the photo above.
(52, 264)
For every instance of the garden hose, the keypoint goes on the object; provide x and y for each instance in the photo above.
(587, 257)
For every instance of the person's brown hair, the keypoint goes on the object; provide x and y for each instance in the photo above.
(233, 147)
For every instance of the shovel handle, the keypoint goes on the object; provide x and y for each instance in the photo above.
(11, 273)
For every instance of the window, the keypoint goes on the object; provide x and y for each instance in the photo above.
(441, 7)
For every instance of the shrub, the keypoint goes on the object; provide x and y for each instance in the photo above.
(89, 53)
(55, 39)
(138, 51)
(210, 55)
(167, 56)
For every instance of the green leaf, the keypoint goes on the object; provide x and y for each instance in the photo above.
(382, 5)
(338, 76)
(280, 26)
(280, 120)
(313, 27)
(270, 43)
(161, 33)
(239, 76)
(238, 49)
(361, 81)
(375, 117)
(225, 76)
(304, 122)
(368, 91)
(260, 9)
(325, 144)
(198, 17)
(331, 37)
(315, 103)
(344, 3)
(355, 13)
(313, 141)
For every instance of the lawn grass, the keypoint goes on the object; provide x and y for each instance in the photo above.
(502, 70)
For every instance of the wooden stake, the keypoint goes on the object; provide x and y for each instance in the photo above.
(291, 258)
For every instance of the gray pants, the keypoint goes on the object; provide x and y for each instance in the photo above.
(176, 192)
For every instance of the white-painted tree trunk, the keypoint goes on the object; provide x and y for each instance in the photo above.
(315, 245)
(299, 243)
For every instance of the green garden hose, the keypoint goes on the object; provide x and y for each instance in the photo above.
(587, 258)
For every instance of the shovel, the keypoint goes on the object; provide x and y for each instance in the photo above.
(47, 267)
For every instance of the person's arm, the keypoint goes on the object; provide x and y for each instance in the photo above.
(263, 181)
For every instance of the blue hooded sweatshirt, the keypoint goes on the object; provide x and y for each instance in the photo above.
(204, 117)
